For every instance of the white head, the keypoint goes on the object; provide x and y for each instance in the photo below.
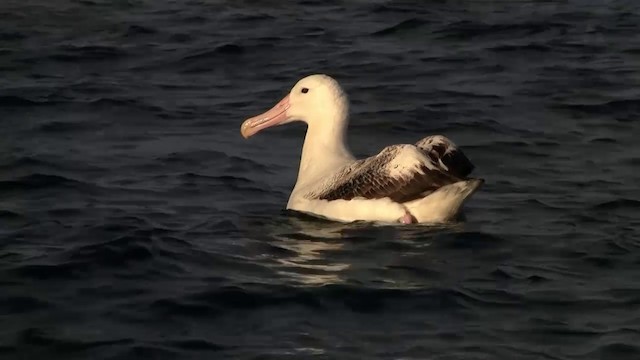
(317, 100)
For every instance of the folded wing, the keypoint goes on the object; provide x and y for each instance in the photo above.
(446, 155)
(400, 172)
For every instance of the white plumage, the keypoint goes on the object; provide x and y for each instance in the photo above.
(424, 182)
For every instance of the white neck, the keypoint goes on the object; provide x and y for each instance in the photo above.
(324, 147)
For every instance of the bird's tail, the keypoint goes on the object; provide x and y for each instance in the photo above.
(445, 203)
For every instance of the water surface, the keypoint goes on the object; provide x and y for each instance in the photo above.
(135, 222)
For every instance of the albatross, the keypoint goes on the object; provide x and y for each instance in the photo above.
(425, 182)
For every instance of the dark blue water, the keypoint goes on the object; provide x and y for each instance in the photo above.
(136, 223)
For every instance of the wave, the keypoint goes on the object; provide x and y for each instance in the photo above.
(224, 49)
(471, 29)
(54, 127)
(125, 102)
(166, 237)
(7, 215)
(12, 35)
(406, 25)
(43, 181)
(618, 204)
(533, 47)
(92, 102)
(44, 165)
(604, 107)
(14, 100)
(80, 53)
(192, 157)
(361, 299)
(38, 337)
(139, 30)
(397, 7)
(617, 350)
(22, 304)
(57, 271)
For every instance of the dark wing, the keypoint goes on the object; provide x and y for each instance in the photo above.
(400, 172)
(446, 155)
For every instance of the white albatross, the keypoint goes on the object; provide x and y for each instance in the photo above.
(425, 182)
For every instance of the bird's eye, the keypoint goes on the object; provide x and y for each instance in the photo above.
(305, 90)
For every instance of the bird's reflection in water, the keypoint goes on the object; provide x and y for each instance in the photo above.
(319, 252)
(309, 244)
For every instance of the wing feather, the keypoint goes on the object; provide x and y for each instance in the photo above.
(447, 155)
(400, 172)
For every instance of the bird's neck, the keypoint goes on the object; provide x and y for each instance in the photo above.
(324, 149)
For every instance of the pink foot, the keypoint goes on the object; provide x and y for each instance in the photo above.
(407, 219)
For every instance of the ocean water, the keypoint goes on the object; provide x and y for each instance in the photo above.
(136, 222)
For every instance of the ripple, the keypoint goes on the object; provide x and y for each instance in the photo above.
(491, 297)
(404, 26)
(61, 270)
(196, 344)
(136, 223)
(468, 240)
(166, 307)
(9, 36)
(471, 29)
(361, 299)
(117, 252)
(148, 352)
(79, 53)
(55, 127)
(39, 337)
(138, 30)
(44, 164)
(192, 157)
(21, 304)
(619, 204)
(7, 215)
(43, 181)
(396, 7)
(124, 102)
(606, 107)
(618, 350)
(531, 47)
(225, 49)
(13, 100)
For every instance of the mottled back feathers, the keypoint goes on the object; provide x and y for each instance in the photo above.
(400, 172)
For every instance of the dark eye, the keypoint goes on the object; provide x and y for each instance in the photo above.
(305, 90)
